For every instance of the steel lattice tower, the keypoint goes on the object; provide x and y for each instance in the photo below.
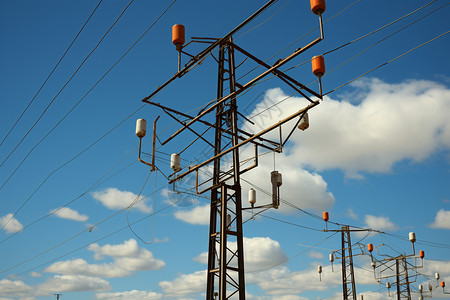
(224, 263)
(348, 275)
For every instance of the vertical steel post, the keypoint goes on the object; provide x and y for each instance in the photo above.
(237, 184)
(225, 264)
(213, 267)
(397, 270)
(348, 274)
(344, 266)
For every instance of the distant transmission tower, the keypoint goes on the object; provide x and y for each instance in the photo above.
(402, 268)
(225, 274)
(345, 254)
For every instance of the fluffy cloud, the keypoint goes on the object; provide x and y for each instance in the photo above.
(260, 253)
(442, 219)
(74, 283)
(184, 284)
(128, 258)
(300, 187)
(130, 295)
(393, 122)
(199, 215)
(380, 223)
(315, 254)
(14, 288)
(10, 224)
(113, 198)
(70, 214)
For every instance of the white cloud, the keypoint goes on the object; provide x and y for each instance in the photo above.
(199, 215)
(260, 253)
(300, 187)
(80, 266)
(35, 274)
(129, 295)
(351, 213)
(442, 219)
(380, 223)
(392, 123)
(10, 224)
(70, 214)
(127, 258)
(184, 284)
(113, 198)
(14, 288)
(74, 283)
(315, 254)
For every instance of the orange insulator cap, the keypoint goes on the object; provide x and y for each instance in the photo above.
(443, 284)
(318, 6)
(370, 247)
(326, 217)
(318, 65)
(421, 254)
(178, 34)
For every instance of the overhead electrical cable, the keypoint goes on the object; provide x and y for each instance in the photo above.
(103, 136)
(381, 28)
(67, 82)
(288, 97)
(96, 184)
(369, 230)
(51, 73)
(355, 40)
(386, 63)
(104, 220)
(81, 247)
(300, 38)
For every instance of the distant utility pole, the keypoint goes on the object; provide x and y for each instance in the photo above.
(402, 266)
(225, 275)
(346, 255)
(348, 274)
(57, 296)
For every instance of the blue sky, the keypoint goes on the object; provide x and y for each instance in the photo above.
(376, 154)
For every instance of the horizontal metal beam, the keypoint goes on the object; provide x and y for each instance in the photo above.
(205, 52)
(270, 128)
(244, 87)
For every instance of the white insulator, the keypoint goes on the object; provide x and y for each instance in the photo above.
(304, 122)
(252, 196)
(412, 237)
(331, 257)
(388, 285)
(430, 287)
(420, 287)
(373, 265)
(141, 128)
(437, 276)
(319, 269)
(175, 162)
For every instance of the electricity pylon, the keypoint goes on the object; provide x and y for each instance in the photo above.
(226, 249)
(399, 268)
(348, 274)
(346, 255)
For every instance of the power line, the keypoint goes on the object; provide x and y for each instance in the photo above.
(85, 245)
(67, 82)
(51, 73)
(386, 63)
(98, 140)
(137, 200)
